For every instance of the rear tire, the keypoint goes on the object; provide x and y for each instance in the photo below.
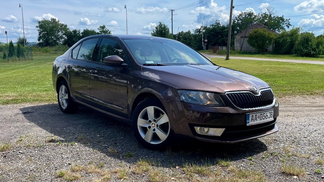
(65, 102)
(151, 124)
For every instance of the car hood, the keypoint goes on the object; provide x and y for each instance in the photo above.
(203, 77)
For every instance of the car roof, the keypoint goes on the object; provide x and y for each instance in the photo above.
(125, 36)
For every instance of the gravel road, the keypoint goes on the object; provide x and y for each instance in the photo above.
(42, 142)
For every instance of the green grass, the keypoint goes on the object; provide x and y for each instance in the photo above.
(266, 55)
(284, 78)
(27, 81)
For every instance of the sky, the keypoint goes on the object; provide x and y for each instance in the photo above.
(144, 15)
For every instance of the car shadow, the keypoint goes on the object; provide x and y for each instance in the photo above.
(116, 139)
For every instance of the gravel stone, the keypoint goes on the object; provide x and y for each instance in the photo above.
(44, 141)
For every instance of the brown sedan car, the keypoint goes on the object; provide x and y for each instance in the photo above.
(164, 89)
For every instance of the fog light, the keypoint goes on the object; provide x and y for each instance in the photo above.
(209, 131)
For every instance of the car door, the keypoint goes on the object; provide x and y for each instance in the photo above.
(109, 84)
(79, 69)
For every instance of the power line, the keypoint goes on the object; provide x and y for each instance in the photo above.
(254, 2)
(188, 5)
(165, 17)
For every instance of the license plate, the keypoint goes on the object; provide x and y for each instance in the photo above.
(259, 117)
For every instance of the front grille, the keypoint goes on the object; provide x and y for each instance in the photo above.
(247, 100)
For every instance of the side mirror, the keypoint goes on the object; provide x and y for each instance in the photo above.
(113, 60)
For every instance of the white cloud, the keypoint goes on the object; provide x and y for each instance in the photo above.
(264, 7)
(113, 10)
(210, 12)
(10, 19)
(312, 6)
(316, 21)
(47, 16)
(150, 10)
(149, 27)
(113, 23)
(2, 27)
(236, 13)
(87, 21)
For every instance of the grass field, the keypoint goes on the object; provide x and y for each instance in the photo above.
(267, 55)
(30, 81)
(27, 81)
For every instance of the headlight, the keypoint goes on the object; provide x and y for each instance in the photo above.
(201, 98)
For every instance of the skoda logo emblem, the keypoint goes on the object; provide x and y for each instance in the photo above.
(255, 89)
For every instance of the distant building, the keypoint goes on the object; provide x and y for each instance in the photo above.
(241, 43)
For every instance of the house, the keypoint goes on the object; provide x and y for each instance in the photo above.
(241, 44)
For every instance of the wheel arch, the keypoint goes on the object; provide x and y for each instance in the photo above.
(58, 81)
(142, 96)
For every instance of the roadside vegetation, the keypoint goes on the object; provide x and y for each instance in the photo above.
(148, 171)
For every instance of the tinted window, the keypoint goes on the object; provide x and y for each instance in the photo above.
(165, 51)
(109, 47)
(75, 51)
(87, 49)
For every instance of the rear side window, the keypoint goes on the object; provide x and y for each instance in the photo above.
(75, 51)
(87, 49)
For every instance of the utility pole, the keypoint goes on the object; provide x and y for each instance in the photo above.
(172, 21)
(22, 14)
(229, 32)
(126, 20)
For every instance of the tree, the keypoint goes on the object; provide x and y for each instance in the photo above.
(242, 21)
(245, 19)
(11, 52)
(51, 32)
(103, 30)
(88, 32)
(320, 44)
(161, 31)
(22, 41)
(72, 37)
(260, 39)
(216, 34)
(306, 45)
(274, 23)
(284, 43)
(185, 37)
(19, 51)
(4, 55)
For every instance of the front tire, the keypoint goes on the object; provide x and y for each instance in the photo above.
(151, 124)
(65, 102)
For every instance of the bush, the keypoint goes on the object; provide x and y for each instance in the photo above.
(306, 45)
(11, 52)
(260, 39)
(285, 42)
(4, 55)
(320, 44)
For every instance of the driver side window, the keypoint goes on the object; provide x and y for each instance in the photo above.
(109, 47)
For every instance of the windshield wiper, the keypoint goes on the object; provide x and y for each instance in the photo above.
(153, 64)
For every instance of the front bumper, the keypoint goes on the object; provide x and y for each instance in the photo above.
(185, 117)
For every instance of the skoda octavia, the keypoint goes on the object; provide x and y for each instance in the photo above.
(164, 89)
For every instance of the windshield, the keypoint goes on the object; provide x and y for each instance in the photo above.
(156, 51)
